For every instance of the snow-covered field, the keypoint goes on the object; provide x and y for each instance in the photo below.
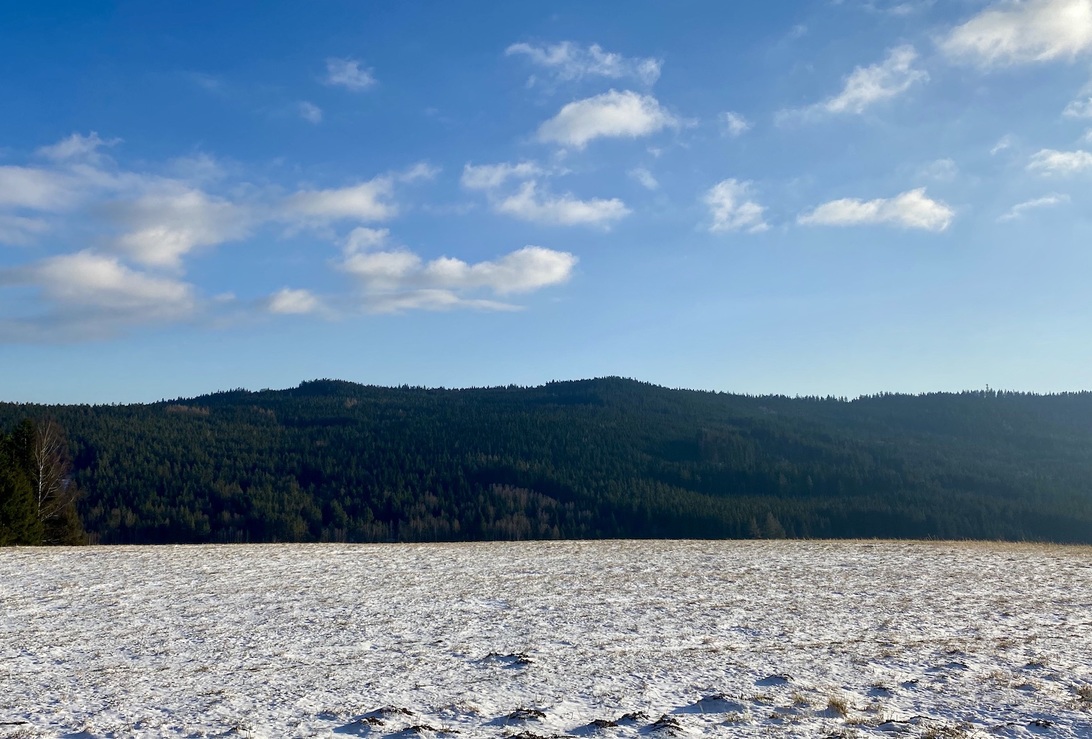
(601, 639)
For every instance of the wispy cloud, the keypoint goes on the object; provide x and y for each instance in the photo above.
(940, 169)
(530, 204)
(734, 125)
(401, 280)
(492, 176)
(1047, 201)
(20, 230)
(612, 114)
(732, 209)
(866, 86)
(911, 209)
(1013, 32)
(163, 226)
(310, 112)
(569, 61)
(1005, 142)
(348, 74)
(364, 201)
(644, 178)
(76, 147)
(288, 301)
(1079, 109)
(36, 188)
(1052, 161)
(147, 225)
(90, 296)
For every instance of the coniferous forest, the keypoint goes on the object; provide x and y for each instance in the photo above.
(337, 461)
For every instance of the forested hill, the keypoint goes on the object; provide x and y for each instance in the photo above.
(336, 461)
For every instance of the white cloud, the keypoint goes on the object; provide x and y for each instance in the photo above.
(492, 176)
(1044, 202)
(348, 74)
(521, 271)
(940, 169)
(1003, 143)
(911, 209)
(732, 209)
(365, 239)
(644, 177)
(401, 280)
(310, 112)
(734, 124)
(613, 114)
(20, 230)
(1014, 32)
(88, 296)
(75, 147)
(165, 226)
(1079, 109)
(565, 210)
(37, 189)
(86, 280)
(1051, 161)
(866, 86)
(417, 172)
(366, 201)
(430, 299)
(569, 61)
(292, 302)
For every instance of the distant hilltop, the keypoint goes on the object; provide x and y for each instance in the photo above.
(606, 458)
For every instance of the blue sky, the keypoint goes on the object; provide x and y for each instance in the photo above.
(811, 197)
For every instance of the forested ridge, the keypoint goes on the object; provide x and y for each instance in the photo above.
(337, 461)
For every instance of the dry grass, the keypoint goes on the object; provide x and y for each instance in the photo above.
(838, 704)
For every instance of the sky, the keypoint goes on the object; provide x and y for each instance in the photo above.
(808, 197)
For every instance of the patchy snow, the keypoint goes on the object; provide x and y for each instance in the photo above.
(597, 639)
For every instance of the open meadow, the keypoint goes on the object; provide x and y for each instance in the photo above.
(610, 639)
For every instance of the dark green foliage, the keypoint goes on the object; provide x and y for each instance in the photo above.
(37, 495)
(336, 461)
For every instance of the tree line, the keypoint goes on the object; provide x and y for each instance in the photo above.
(337, 461)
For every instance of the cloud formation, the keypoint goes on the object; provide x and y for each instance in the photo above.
(348, 74)
(398, 280)
(364, 201)
(612, 114)
(911, 209)
(34, 188)
(866, 86)
(734, 124)
(310, 112)
(93, 296)
(732, 209)
(1079, 109)
(20, 230)
(287, 301)
(644, 178)
(1047, 201)
(75, 147)
(492, 176)
(568, 61)
(1021, 32)
(529, 204)
(1052, 161)
(164, 226)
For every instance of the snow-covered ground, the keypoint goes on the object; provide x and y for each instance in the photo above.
(600, 639)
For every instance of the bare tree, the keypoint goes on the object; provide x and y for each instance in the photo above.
(54, 490)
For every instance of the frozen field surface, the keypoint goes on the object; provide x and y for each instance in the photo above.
(593, 639)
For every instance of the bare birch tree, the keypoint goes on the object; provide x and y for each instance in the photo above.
(54, 490)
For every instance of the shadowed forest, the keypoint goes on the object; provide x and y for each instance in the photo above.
(337, 461)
